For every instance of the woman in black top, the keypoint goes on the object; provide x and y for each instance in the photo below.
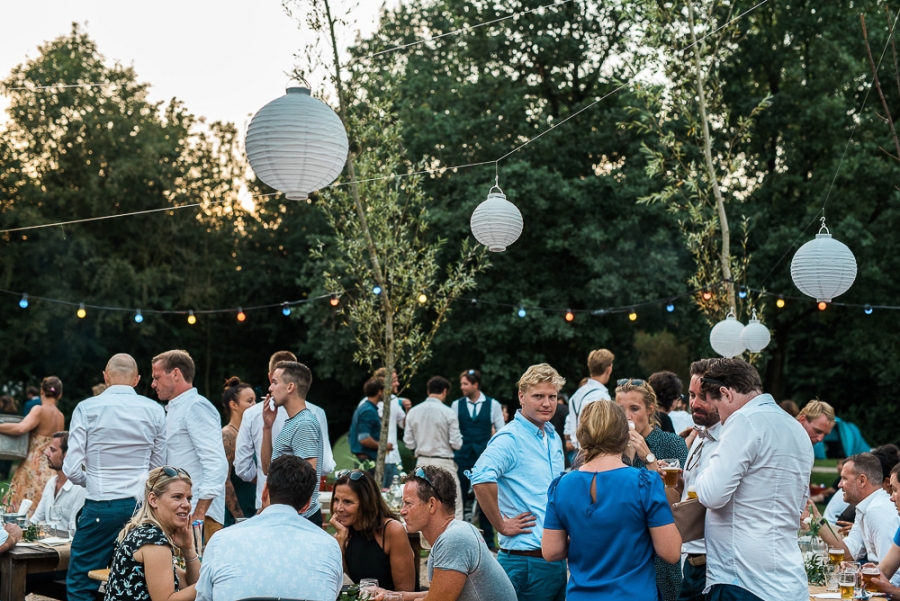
(373, 541)
(142, 567)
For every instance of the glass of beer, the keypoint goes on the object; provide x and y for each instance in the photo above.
(671, 469)
(869, 573)
(847, 584)
(835, 555)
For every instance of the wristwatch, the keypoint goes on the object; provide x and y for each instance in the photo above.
(650, 458)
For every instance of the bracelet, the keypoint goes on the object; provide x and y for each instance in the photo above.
(196, 558)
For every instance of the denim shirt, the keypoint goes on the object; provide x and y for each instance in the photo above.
(523, 465)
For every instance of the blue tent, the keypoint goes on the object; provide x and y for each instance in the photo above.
(850, 437)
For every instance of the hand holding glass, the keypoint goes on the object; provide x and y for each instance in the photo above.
(671, 469)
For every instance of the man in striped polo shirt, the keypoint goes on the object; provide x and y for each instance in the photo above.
(301, 435)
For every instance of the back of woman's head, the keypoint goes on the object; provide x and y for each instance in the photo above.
(602, 430)
(233, 388)
(158, 482)
(8, 404)
(51, 387)
(373, 511)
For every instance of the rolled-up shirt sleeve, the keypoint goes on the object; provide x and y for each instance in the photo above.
(728, 464)
(244, 452)
(202, 425)
(499, 457)
(854, 542)
(74, 461)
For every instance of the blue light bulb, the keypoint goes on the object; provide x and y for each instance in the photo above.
(670, 307)
(868, 309)
(285, 310)
(521, 311)
(376, 290)
(138, 317)
(742, 292)
(24, 302)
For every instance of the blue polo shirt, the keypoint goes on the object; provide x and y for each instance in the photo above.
(365, 423)
(523, 463)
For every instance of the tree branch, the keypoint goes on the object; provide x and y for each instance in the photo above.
(890, 120)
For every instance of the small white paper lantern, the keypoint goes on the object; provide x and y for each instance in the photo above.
(823, 268)
(297, 144)
(725, 337)
(496, 222)
(755, 336)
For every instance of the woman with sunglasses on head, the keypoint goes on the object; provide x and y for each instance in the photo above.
(374, 543)
(142, 567)
(648, 444)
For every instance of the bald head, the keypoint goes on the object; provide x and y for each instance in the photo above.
(121, 370)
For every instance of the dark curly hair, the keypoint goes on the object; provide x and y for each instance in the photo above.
(667, 387)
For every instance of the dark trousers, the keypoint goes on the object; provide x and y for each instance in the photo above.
(316, 518)
(730, 592)
(99, 523)
(693, 583)
(483, 522)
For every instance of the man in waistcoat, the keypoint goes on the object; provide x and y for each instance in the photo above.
(479, 417)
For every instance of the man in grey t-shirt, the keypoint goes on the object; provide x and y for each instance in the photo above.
(460, 565)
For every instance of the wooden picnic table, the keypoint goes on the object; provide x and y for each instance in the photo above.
(18, 562)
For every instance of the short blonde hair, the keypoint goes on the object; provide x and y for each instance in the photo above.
(599, 361)
(602, 430)
(541, 373)
(649, 398)
(816, 409)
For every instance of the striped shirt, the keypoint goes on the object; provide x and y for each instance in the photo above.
(301, 437)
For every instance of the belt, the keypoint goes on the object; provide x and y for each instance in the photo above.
(435, 457)
(696, 560)
(532, 553)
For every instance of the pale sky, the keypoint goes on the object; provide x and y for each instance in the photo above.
(224, 59)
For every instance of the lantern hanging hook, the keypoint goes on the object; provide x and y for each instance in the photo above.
(731, 314)
(299, 78)
(823, 227)
(496, 184)
(753, 316)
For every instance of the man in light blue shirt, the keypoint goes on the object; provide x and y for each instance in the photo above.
(511, 479)
(277, 553)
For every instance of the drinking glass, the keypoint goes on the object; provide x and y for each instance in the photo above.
(868, 573)
(847, 584)
(368, 586)
(835, 555)
(671, 469)
(831, 578)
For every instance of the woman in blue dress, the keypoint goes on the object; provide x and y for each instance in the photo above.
(607, 518)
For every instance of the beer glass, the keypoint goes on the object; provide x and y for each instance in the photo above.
(847, 584)
(835, 556)
(868, 574)
(671, 469)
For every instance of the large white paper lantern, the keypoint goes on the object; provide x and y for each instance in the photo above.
(297, 144)
(725, 337)
(823, 268)
(755, 336)
(496, 222)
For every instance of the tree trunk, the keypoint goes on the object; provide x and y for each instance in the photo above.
(373, 257)
(725, 256)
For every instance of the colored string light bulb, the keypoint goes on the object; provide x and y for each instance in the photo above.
(423, 298)
(633, 315)
(742, 292)
(192, 319)
(521, 311)
(81, 313)
(707, 294)
(780, 303)
(24, 302)
(138, 318)
(333, 301)
(285, 310)
(822, 305)
(670, 307)
(241, 316)
(570, 317)
(868, 309)
(376, 290)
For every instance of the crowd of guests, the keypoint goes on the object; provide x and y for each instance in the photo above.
(136, 482)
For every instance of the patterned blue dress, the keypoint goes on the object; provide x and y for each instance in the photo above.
(127, 580)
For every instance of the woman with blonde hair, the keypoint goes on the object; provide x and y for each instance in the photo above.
(143, 567)
(605, 500)
(41, 423)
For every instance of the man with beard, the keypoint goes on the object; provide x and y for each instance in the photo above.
(60, 493)
(707, 428)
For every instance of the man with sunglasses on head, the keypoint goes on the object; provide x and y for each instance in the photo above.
(708, 430)
(754, 489)
(460, 567)
(115, 438)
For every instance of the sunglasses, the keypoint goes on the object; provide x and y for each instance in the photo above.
(420, 473)
(355, 475)
(715, 382)
(635, 381)
(169, 471)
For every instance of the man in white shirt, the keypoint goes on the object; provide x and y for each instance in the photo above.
(600, 366)
(291, 557)
(248, 445)
(399, 407)
(60, 494)
(754, 490)
(115, 439)
(817, 418)
(193, 437)
(709, 430)
(876, 523)
(432, 432)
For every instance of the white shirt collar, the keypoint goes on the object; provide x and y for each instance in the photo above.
(863, 505)
(118, 389)
(187, 393)
(481, 398)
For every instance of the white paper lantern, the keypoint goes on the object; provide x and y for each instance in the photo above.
(297, 144)
(725, 337)
(496, 222)
(755, 336)
(823, 268)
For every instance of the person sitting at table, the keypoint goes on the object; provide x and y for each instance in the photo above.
(62, 499)
(582, 509)
(142, 567)
(278, 552)
(460, 567)
(10, 535)
(374, 543)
